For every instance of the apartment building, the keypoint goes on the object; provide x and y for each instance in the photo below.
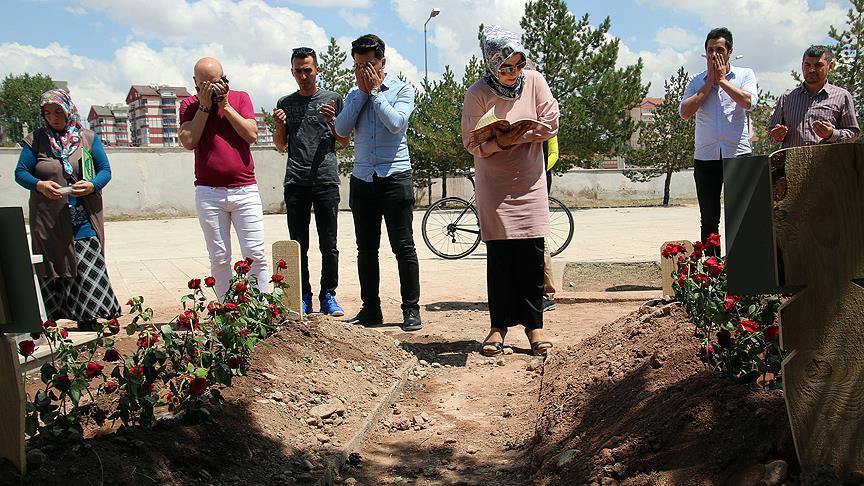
(265, 136)
(154, 112)
(111, 124)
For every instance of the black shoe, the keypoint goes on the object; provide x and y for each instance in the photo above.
(548, 305)
(368, 317)
(411, 320)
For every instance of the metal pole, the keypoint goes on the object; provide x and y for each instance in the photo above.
(425, 61)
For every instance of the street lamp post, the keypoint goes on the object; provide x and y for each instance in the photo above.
(433, 13)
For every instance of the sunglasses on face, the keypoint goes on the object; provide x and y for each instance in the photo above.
(304, 70)
(508, 69)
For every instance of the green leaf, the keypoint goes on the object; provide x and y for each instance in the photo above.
(47, 372)
(166, 329)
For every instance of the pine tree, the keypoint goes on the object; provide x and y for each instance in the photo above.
(19, 102)
(334, 76)
(578, 61)
(760, 115)
(666, 144)
(849, 55)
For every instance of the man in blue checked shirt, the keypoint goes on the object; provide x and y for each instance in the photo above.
(720, 97)
(377, 111)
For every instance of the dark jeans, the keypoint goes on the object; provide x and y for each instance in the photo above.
(393, 199)
(299, 202)
(514, 281)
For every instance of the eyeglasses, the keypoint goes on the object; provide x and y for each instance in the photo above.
(508, 69)
(303, 51)
(304, 70)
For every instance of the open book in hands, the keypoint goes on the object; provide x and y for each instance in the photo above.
(488, 123)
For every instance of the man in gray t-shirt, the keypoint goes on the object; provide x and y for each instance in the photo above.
(311, 175)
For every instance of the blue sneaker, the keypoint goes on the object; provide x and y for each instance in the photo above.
(330, 307)
(307, 304)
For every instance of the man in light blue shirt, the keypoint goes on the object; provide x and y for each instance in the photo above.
(377, 111)
(720, 97)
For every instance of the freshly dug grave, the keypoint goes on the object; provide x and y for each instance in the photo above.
(633, 405)
(309, 391)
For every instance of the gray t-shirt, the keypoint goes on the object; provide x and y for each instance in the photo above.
(311, 144)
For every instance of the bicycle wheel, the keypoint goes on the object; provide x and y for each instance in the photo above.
(451, 228)
(560, 226)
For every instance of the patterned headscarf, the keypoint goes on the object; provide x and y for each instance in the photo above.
(63, 143)
(497, 45)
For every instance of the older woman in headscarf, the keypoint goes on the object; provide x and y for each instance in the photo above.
(511, 197)
(65, 168)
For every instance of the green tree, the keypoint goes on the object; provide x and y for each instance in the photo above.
(578, 61)
(19, 102)
(666, 144)
(435, 128)
(269, 120)
(760, 115)
(334, 76)
(849, 55)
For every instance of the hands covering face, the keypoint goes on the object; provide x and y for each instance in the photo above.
(209, 89)
(368, 76)
(718, 68)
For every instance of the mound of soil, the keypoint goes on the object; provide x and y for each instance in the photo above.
(309, 391)
(633, 405)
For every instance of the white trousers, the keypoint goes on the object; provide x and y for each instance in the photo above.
(218, 209)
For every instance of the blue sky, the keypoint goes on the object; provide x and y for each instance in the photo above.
(103, 46)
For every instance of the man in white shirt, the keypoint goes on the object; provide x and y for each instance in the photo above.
(720, 97)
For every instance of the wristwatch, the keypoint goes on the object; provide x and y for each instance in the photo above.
(374, 91)
(205, 110)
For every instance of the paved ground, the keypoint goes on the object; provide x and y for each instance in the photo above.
(156, 258)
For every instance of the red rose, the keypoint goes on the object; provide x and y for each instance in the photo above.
(243, 298)
(714, 266)
(93, 370)
(213, 307)
(111, 355)
(197, 386)
(243, 332)
(187, 321)
(137, 371)
(771, 332)
(701, 279)
(210, 281)
(274, 311)
(682, 277)
(235, 362)
(705, 351)
(281, 264)
(240, 287)
(230, 307)
(241, 267)
(147, 339)
(748, 325)
(110, 386)
(113, 326)
(276, 278)
(672, 249)
(724, 338)
(62, 382)
(712, 241)
(130, 303)
(194, 284)
(26, 348)
(731, 301)
(48, 325)
(248, 260)
(64, 333)
(35, 335)
(698, 248)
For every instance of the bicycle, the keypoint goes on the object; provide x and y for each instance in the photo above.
(451, 228)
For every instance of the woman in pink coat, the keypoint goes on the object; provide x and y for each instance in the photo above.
(511, 197)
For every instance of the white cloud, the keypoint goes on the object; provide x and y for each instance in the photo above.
(770, 34)
(675, 37)
(76, 10)
(332, 3)
(354, 19)
(453, 33)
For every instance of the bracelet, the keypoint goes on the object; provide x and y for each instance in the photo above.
(205, 110)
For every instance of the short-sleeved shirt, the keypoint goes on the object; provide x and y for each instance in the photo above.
(798, 109)
(222, 157)
(311, 144)
(722, 125)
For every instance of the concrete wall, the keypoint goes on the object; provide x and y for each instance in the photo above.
(158, 182)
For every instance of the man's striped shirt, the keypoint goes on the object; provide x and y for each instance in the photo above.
(797, 109)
